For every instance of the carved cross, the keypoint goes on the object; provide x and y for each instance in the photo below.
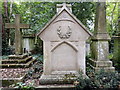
(59, 6)
(18, 34)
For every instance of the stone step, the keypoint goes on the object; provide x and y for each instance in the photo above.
(9, 81)
(17, 56)
(11, 76)
(18, 65)
(17, 61)
(49, 87)
(107, 69)
(56, 87)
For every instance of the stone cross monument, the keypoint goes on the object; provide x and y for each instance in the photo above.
(64, 41)
(18, 34)
(100, 40)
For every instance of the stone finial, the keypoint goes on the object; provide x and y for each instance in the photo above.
(60, 6)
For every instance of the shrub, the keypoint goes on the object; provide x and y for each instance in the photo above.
(23, 86)
(101, 79)
(84, 82)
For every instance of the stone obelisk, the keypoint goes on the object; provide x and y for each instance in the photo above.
(99, 45)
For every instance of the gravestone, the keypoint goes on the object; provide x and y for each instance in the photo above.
(87, 48)
(64, 41)
(99, 45)
(28, 43)
(18, 34)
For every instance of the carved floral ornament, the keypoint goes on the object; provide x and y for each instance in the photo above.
(64, 35)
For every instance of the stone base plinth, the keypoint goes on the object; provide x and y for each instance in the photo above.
(10, 81)
(49, 87)
(98, 65)
(59, 77)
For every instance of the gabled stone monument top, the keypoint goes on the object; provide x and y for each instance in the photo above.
(64, 39)
(64, 14)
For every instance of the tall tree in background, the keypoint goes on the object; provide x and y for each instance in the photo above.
(37, 14)
(85, 12)
(112, 16)
(116, 54)
(119, 18)
(5, 32)
(0, 29)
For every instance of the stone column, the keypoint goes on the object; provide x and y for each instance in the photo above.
(99, 45)
(116, 53)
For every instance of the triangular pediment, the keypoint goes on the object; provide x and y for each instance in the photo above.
(70, 15)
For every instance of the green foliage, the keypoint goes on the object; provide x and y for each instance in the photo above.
(39, 57)
(6, 50)
(4, 57)
(110, 56)
(112, 17)
(85, 12)
(23, 86)
(84, 82)
(36, 68)
(116, 64)
(37, 49)
(101, 79)
(69, 77)
(37, 14)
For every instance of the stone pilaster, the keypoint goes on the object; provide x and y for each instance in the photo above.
(99, 45)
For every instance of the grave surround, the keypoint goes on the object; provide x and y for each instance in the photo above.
(64, 41)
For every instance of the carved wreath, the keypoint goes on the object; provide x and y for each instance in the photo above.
(65, 35)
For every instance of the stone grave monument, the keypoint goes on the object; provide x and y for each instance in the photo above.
(28, 43)
(64, 41)
(18, 34)
(19, 59)
(100, 40)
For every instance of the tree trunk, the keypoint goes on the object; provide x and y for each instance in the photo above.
(5, 32)
(0, 31)
(6, 18)
(119, 18)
